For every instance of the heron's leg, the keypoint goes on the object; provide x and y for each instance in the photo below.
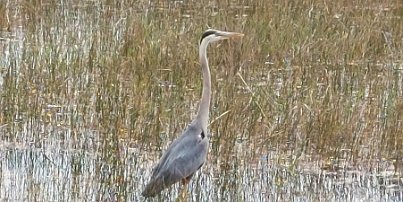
(186, 180)
(184, 191)
(182, 195)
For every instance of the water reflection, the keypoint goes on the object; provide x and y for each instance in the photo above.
(61, 175)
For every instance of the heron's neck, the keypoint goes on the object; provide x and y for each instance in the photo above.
(204, 107)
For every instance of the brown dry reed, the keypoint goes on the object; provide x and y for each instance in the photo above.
(310, 78)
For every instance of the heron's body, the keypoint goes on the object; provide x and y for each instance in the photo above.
(189, 151)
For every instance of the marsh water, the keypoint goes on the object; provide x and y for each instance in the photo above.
(306, 107)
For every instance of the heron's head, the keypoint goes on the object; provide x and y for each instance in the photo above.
(211, 35)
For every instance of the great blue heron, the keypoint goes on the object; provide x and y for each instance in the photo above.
(188, 152)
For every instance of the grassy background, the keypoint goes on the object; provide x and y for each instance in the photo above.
(321, 75)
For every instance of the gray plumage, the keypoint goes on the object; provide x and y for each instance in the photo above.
(189, 151)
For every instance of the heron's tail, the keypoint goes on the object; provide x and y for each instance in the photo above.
(154, 187)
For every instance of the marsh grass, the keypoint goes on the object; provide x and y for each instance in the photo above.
(313, 84)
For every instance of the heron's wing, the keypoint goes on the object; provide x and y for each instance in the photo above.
(183, 157)
(177, 168)
(190, 158)
(178, 147)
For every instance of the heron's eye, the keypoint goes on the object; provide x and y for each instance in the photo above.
(206, 34)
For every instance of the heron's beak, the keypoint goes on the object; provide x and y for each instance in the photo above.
(229, 35)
